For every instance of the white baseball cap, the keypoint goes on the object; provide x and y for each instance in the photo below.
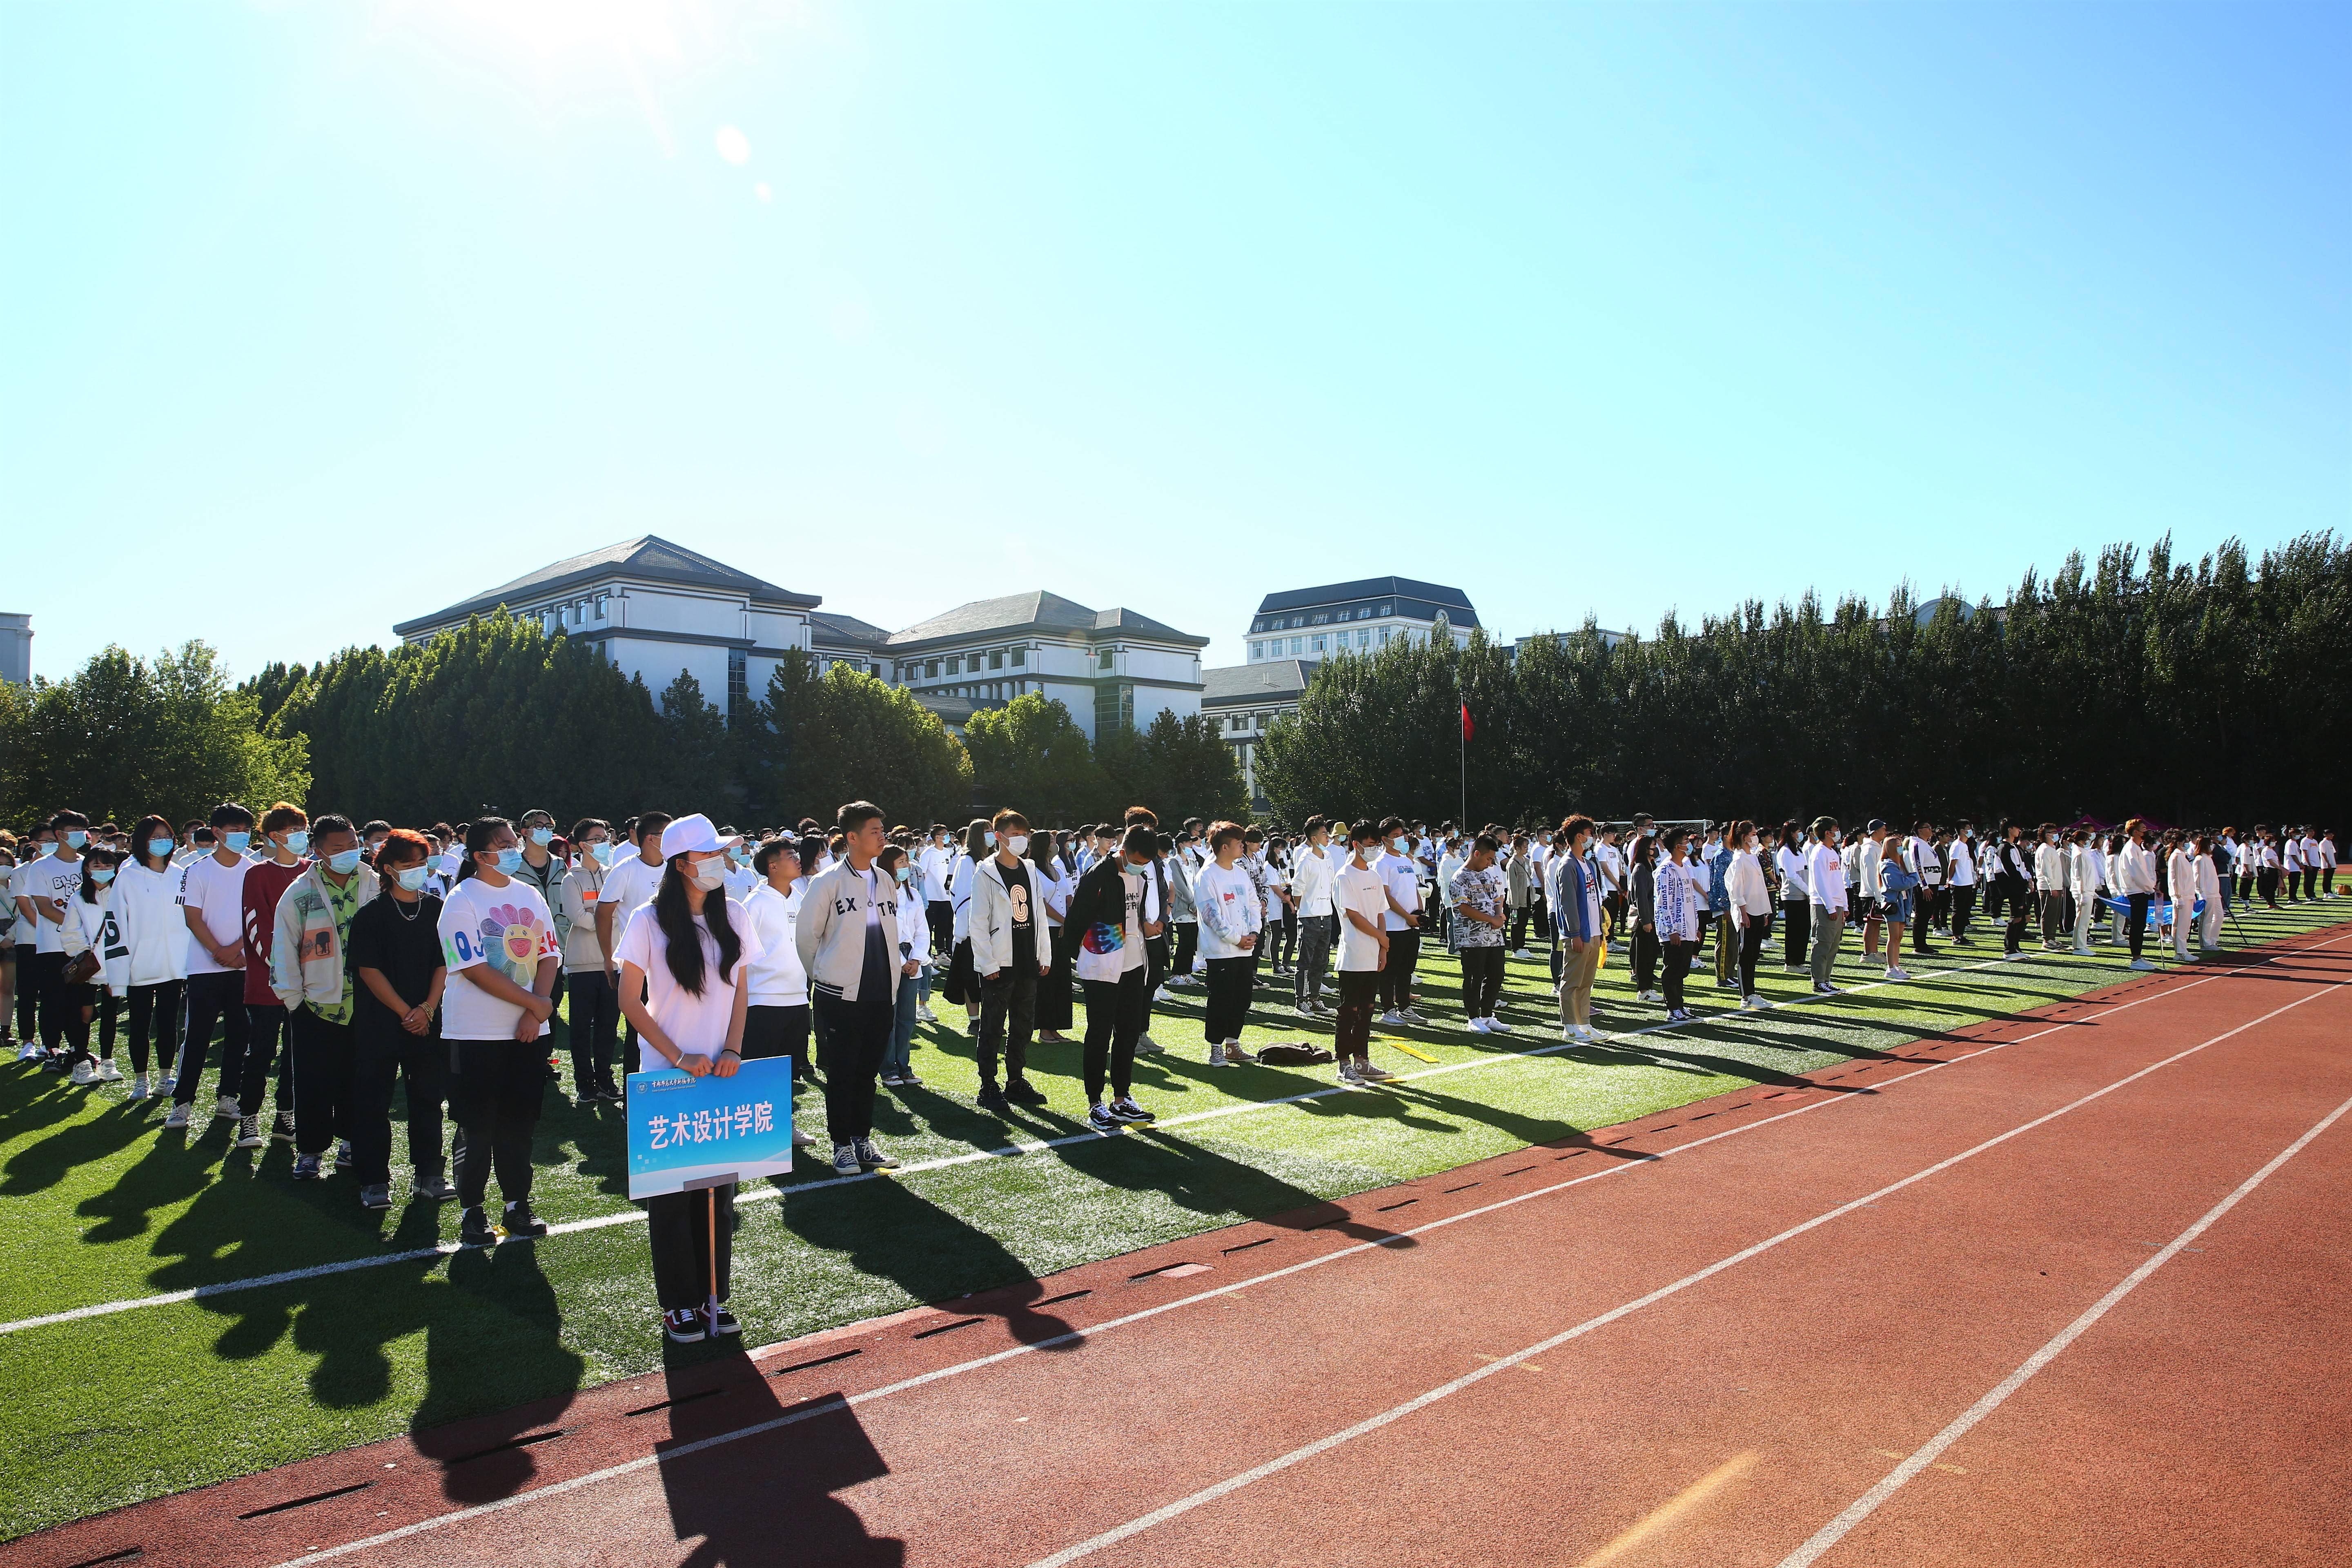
(693, 834)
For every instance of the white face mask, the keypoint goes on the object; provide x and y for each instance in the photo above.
(1018, 843)
(709, 872)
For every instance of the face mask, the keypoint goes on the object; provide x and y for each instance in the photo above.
(708, 874)
(238, 842)
(902, 873)
(509, 862)
(1018, 843)
(989, 839)
(601, 853)
(76, 839)
(1396, 845)
(344, 863)
(298, 842)
(159, 848)
(412, 878)
(101, 875)
(542, 837)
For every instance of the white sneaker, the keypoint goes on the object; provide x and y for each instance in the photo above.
(1894, 973)
(1523, 956)
(2083, 953)
(1751, 1003)
(2143, 964)
(925, 1015)
(1392, 1018)
(139, 1087)
(178, 1118)
(1306, 1009)
(1217, 1056)
(1477, 1025)
(224, 1108)
(1495, 1026)
(85, 1074)
(109, 1073)
(31, 1053)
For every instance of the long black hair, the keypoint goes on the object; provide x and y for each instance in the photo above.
(478, 833)
(676, 921)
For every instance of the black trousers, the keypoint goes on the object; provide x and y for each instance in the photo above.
(1360, 993)
(155, 1014)
(215, 998)
(1679, 962)
(1922, 908)
(1396, 979)
(1963, 903)
(592, 1017)
(28, 1000)
(941, 913)
(1519, 933)
(1646, 959)
(2136, 921)
(1008, 1018)
(43, 977)
(683, 1229)
(266, 1032)
(496, 1088)
(1482, 980)
(2018, 902)
(2266, 881)
(850, 1049)
(1752, 944)
(382, 1053)
(781, 1031)
(1188, 944)
(1796, 931)
(320, 1051)
(1231, 980)
(1115, 1011)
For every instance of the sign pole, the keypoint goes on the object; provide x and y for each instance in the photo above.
(711, 1306)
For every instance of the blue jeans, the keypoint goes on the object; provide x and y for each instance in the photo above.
(902, 1027)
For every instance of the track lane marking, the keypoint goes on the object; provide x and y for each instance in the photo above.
(1221, 1292)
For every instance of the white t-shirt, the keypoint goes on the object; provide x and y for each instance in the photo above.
(50, 877)
(777, 978)
(1825, 874)
(1362, 890)
(1964, 865)
(741, 880)
(1402, 875)
(217, 892)
(508, 928)
(695, 1025)
(629, 886)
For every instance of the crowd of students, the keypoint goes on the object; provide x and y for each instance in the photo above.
(316, 965)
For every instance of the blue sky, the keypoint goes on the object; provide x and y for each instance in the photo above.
(318, 316)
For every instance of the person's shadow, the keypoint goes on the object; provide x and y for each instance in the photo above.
(768, 1499)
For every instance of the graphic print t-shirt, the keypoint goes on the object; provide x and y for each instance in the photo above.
(1018, 887)
(509, 929)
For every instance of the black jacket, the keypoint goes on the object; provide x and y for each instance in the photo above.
(1101, 898)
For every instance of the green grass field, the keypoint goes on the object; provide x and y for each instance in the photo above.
(98, 1203)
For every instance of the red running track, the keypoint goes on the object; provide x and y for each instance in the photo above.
(2075, 1297)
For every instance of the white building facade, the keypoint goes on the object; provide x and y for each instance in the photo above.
(1112, 669)
(1314, 624)
(1245, 699)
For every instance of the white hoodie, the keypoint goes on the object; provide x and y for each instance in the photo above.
(155, 932)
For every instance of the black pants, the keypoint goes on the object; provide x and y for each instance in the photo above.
(850, 1049)
(155, 1014)
(781, 1031)
(683, 1229)
(941, 913)
(321, 1051)
(1396, 978)
(1963, 903)
(1679, 962)
(2136, 921)
(2266, 882)
(2017, 903)
(1518, 933)
(1646, 959)
(496, 1088)
(215, 998)
(1360, 993)
(593, 1014)
(1922, 907)
(1796, 931)
(1008, 1017)
(1482, 980)
(1188, 944)
(266, 1032)
(382, 1052)
(1751, 943)
(1114, 1022)
(42, 975)
(1230, 982)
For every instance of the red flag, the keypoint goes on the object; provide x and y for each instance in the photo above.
(1466, 726)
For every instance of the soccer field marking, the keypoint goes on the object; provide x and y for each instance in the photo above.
(1219, 1292)
(633, 1216)
(1422, 1401)
(1862, 1506)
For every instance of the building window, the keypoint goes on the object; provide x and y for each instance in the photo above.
(1322, 645)
(1020, 657)
(1320, 620)
(1109, 658)
(1387, 609)
(955, 665)
(739, 686)
(1363, 637)
(1114, 708)
(996, 658)
(931, 669)
(1257, 650)
(603, 605)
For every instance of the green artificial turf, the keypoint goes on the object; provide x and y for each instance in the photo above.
(98, 1203)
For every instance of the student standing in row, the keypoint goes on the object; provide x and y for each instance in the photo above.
(1579, 931)
(1962, 854)
(1750, 903)
(914, 952)
(595, 1009)
(1361, 895)
(847, 934)
(1226, 899)
(1643, 911)
(1401, 872)
(1796, 896)
(776, 1021)
(156, 970)
(1480, 892)
(1010, 954)
(1051, 887)
(1677, 904)
(1825, 879)
(498, 941)
(1311, 877)
(44, 893)
(2135, 877)
(683, 958)
(311, 975)
(395, 950)
(1111, 919)
(212, 905)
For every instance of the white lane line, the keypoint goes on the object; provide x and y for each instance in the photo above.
(1234, 1483)
(1080, 1336)
(1862, 1506)
(772, 1194)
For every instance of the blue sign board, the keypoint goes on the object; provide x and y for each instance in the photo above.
(688, 1133)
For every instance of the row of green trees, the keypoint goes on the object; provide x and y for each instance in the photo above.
(2187, 692)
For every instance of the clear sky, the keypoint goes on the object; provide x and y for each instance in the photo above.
(314, 317)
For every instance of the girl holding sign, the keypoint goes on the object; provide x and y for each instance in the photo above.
(684, 961)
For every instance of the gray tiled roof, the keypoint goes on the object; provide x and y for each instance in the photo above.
(1436, 594)
(1270, 680)
(647, 556)
(1036, 610)
(845, 631)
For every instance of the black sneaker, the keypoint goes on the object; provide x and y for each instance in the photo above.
(872, 1158)
(519, 1221)
(1020, 1091)
(281, 1127)
(1125, 1110)
(683, 1327)
(475, 1229)
(993, 1099)
(725, 1323)
(1101, 1119)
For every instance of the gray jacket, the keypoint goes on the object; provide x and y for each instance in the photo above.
(831, 934)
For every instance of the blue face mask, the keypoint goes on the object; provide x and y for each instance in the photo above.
(509, 862)
(237, 842)
(159, 848)
(410, 877)
(542, 837)
(101, 875)
(601, 853)
(989, 839)
(76, 839)
(344, 863)
(298, 842)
